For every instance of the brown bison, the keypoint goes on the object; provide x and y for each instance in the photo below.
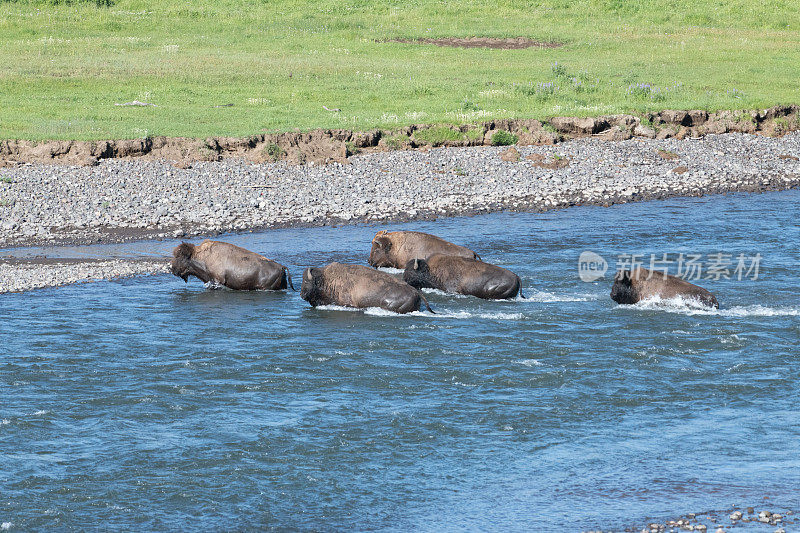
(228, 265)
(463, 276)
(396, 248)
(634, 286)
(359, 286)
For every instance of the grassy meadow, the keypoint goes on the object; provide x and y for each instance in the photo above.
(64, 66)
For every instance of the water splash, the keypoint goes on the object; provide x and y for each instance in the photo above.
(692, 307)
(549, 297)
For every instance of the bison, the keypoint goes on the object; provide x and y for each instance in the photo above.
(396, 248)
(225, 264)
(463, 276)
(359, 286)
(636, 285)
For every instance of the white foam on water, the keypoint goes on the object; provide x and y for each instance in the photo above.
(337, 308)
(5, 526)
(735, 367)
(759, 310)
(692, 307)
(4, 421)
(549, 297)
(41, 412)
(377, 311)
(730, 339)
(391, 270)
(529, 362)
(443, 293)
(468, 314)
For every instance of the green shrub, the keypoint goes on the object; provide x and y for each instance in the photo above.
(503, 138)
(351, 148)
(274, 151)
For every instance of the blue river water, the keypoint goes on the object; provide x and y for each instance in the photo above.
(152, 404)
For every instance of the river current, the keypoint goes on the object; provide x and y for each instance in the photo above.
(151, 404)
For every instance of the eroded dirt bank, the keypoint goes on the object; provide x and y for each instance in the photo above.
(336, 145)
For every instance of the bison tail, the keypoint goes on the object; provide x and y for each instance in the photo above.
(289, 278)
(425, 301)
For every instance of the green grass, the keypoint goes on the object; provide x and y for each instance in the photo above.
(439, 135)
(64, 66)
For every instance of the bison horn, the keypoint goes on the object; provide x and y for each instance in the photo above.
(308, 275)
(416, 264)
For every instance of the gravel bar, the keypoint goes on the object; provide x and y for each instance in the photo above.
(123, 200)
(28, 275)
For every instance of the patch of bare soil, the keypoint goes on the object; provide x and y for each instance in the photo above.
(667, 155)
(511, 155)
(540, 161)
(788, 157)
(510, 43)
(680, 170)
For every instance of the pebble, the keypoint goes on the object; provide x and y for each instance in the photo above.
(694, 521)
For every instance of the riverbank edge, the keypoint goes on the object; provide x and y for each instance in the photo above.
(336, 145)
(535, 204)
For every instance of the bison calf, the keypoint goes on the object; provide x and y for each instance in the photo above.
(228, 265)
(396, 248)
(463, 276)
(359, 286)
(634, 286)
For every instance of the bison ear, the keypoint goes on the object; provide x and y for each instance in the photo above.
(383, 242)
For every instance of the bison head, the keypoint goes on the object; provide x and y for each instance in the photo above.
(181, 260)
(622, 291)
(418, 274)
(311, 290)
(379, 255)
